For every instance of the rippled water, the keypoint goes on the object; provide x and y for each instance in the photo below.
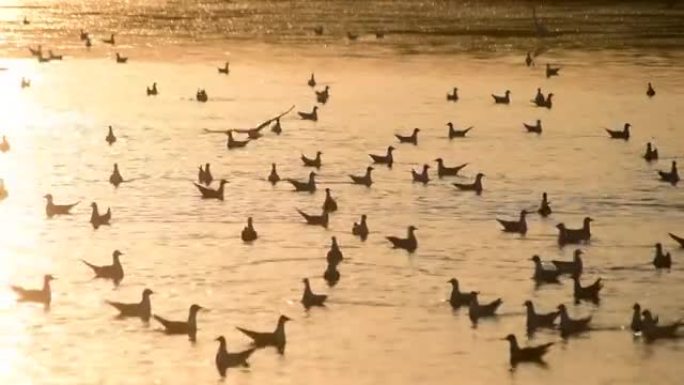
(386, 319)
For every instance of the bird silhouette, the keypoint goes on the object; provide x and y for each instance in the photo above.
(116, 179)
(153, 91)
(313, 115)
(308, 186)
(96, 219)
(650, 92)
(505, 99)
(421, 177)
(387, 159)
(364, 180)
(620, 134)
(361, 229)
(248, 233)
(209, 193)
(519, 226)
(188, 327)
(315, 220)
(334, 256)
(312, 162)
(453, 96)
(586, 293)
(671, 177)
(574, 268)
(661, 260)
(534, 128)
(454, 133)
(225, 360)
(457, 299)
(569, 326)
(536, 320)
(651, 153)
(309, 299)
(142, 309)
(526, 354)
(51, 209)
(475, 186)
(225, 69)
(110, 138)
(42, 296)
(273, 176)
(551, 71)
(544, 275)
(113, 272)
(443, 170)
(413, 138)
(477, 311)
(545, 206)
(275, 338)
(410, 243)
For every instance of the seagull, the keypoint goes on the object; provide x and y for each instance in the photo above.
(25, 83)
(120, 59)
(506, 99)
(188, 327)
(248, 233)
(454, 133)
(453, 97)
(534, 128)
(142, 310)
(551, 71)
(38, 52)
(309, 299)
(413, 138)
(201, 96)
(3, 190)
(352, 36)
(410, 243)
(152, 91)
(539, 99)
(650, 92)
(457, 298)
(110, 40)
(329, 205)
(204, 176)
(528, 59)
(651, 331)
(548, 103)
(114, 271)
(88, 42)
(387, 159)
(98, 220)
(318, 30)
(542, 275)
(225, 70)
(322, 96)
(519, 226)
(569, 326)
(651, 152)
(225, 360)
(679, 240)
(277, 128)
(110, 136)
(567, 236)
(43, 295)
(477, 311)
(365, 180)
(116, 179)
(312, 81)
(52, 209)
(84, 35)
(544, 208)
(273, 177)
(313, 115)
(309, 186)
(232, 143)
(315, 162)
(475, 186)
(209, 193)
(637, 324)
(574, 267)
(275, 338)
(331, 275)
(334, 256)
(622, 134)
(315, 220)
(443, 170)
(587, 293)
(661, 260)
(4, 145)
(670, 177)
(539, 320)
(526, 354)
(361, 229)
(421, 177)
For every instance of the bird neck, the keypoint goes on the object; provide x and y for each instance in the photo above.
(46, 286)
(192, 318)
(514, 345)
(222, 347)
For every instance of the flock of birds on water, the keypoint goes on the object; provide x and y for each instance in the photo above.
(643, 322)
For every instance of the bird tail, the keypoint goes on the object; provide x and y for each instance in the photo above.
(90, 265)
(17, 289)
(303, 214)
(160, 319)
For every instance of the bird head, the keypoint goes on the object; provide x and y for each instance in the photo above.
(536, 259)
(48, 197)
(117, 254)
(147, 292)
(412, 228)
(510, 338)
(453, 282)
(560, 226)
(562, 308)
(527, 304)
(93, 205)
(195, 308)
(479, 175)
(221, 339)
(284, 318)
(439, 160)
(637, 307)
(369, 168)
(223, 181)
(48, 278)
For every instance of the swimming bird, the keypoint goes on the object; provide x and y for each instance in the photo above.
(379, 34)
(116, 179)
(544, 208)
(97, 220)
(527, 354)
(318, 30)
(209, 193)
(650, 92)
(51, 209)
(25, 83)
(457, 299)
(539, 320)
(275, 338)
(534, 128)
(277, 128)
(232, 143)
(637, 323)
(551, 71)
(121, 59)
(43, 59)
(188, 327)
(352, 36)
(225, 360)
(506, 99)
(4, 145)
(671, 177)
(519, 226)
(312, 81)
(334, 255)
(38, 52)
(443, 170)
(544, 275)
(569, 326)
(454, 133)
(477, 311)
(661, 260)
(329, 205)
(88, 42)
(539, 99)
(322, 96)
(142, 309)
(421, 177)
(152, 91)
(453, 97)
(651, 331)
(475, 186)
(110, 138)
(110, 40)
(313, 115)
(26, 21)
(549, 101)
(651, 152)
(315, 162)
(528, 59)
(574, 268)
(204, 175)
(114, 271)
(587, 293)
(413, 138)
(315, 220)
(309, 299)
(679, 240)
(361, 229)
(387, 159)
(273, 177)
(52, 56)
(331, 274)
(248, 233)
(567, 236)
(620, 134)
(225, 70)
(201, 96)
(410, 243)
(308, 186)
(365, 180)
(84, 35)
(43, 295)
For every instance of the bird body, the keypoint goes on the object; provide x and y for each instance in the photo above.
(51, 209)
(225, 360)
(573, 236)
(309, 299)
(452, 97)
(361, 229)
(573, 268)
(111, 138)
(334, 256)
(534, 128)
(454, 133)
(248, 233)
(331, 275)
(43, 296)
(671, 177)
(116, 179)
(661, 260)
(142, 309)
(505, 99)
(519, 226)
(457, 299)
(526, 354)
(315, 220)
(209, 193)
(152, 91)
(387, 159)
(422, 177)
(477, 311)
(308, 186)
(312, 162)
(544, 208)
(443, 170)
(114, 271)
(569, 326)
(587, 293)
(97, 220)
(651, 153)
(225, 70)
(413, 138)
(275, 338)
(475, 186)
(544, 275)
(312, 81)
(620, 134)
(650, 92)
(652, 331)
(204, 176)
(120, 59)
(539, 320)
(233, 143)
(188, 327)
(313, 115)
(410, 243)
(551, 71)
(322, 96)
(365, 180)
(273, 176)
